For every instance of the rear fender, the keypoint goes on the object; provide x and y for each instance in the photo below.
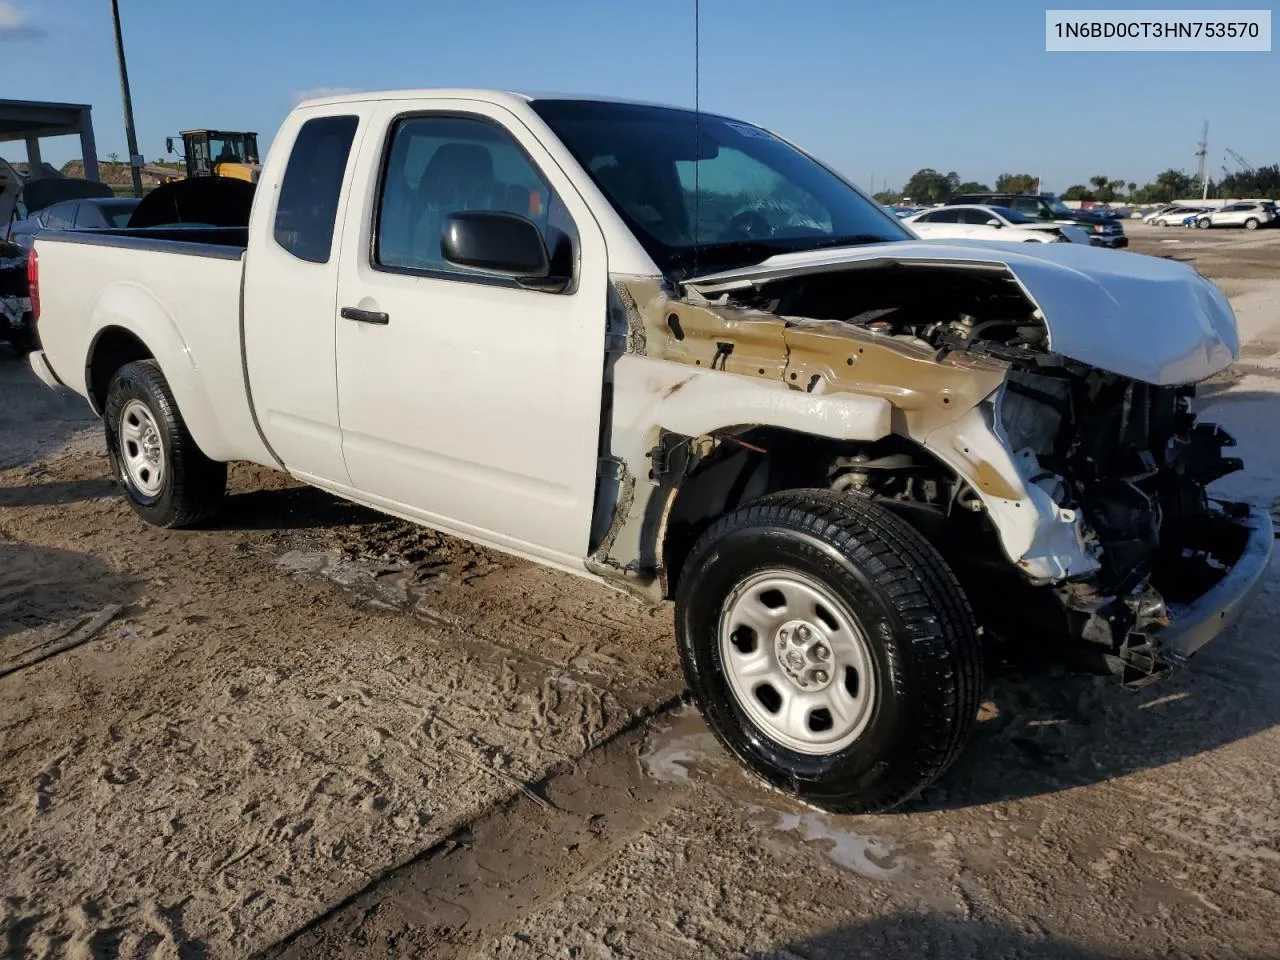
(131, 307)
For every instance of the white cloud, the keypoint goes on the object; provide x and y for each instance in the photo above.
(315, 93)
(14, 24)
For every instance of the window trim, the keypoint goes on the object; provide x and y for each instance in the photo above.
(487, 280)
(343, 183)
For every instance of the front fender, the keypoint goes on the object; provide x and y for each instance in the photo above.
(651, 396)
(129, 306)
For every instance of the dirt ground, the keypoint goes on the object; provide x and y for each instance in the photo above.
(310, 731)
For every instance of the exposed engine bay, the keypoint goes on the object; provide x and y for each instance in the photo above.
(1070, 500)
(1128, 457)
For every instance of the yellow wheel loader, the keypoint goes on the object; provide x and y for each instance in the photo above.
(220, 153)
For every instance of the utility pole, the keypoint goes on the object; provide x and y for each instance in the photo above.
(1202, 171)
(135, 161)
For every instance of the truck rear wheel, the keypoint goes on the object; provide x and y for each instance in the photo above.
(830, 648)
(168, 480)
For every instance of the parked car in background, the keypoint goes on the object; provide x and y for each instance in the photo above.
(23, 202)
(15, 305)
(1170, 215)
(980, 222)
(1103, 231)
(1250, 214)
(93, 213)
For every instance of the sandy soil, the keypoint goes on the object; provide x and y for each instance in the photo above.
(313, 732)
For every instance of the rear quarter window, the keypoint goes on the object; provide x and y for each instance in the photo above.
(308, 205)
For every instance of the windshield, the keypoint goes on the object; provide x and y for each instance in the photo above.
(1057, 206)
(1013, 216)
(735, 195)
(227, 149)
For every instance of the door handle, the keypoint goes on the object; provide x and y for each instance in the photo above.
(365, 316)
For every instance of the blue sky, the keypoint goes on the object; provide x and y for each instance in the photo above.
(874, 88)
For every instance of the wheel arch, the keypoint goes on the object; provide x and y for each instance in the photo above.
(705, 478)
(130, 324)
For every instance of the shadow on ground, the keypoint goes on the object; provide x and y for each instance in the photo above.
(58, 493)
(34, 420)
(294, 508)
(913, 936)
(42, 585)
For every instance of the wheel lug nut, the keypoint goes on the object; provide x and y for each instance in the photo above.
(802, 632)
(819, 676)
(782, 635)
(821, 652)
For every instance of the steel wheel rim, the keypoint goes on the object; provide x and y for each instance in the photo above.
(797, 662)
(141, 449)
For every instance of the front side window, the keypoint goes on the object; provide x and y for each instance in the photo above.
(946, 216)
(1011, 215)
(440, 165)
(976, 217)
(703, 192)
(308, 205)
(1028, 205)
(90, 215)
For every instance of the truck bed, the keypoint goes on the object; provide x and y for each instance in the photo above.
(226, 243)
(177, 290)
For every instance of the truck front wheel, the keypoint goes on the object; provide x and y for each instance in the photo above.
(830, 648)
(168, 480)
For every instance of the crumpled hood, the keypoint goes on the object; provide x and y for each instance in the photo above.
(1142, 317)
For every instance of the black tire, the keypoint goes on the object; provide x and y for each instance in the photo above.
(1204, 224)
(191, 486)
(1251, 224)
(925, 650)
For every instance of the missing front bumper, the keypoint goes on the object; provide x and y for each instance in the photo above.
(1194, 624)
(1243, 542)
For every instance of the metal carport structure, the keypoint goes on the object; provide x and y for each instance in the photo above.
(31, 120)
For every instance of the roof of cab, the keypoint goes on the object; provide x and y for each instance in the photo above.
(506, 97)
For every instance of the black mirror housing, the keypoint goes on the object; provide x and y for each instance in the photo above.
(498, 242)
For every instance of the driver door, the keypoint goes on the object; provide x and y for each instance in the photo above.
(467, 401)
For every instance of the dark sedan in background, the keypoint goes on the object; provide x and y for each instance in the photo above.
(83, 214)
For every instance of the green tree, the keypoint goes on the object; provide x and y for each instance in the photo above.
(1017, 183)
(1262, 182)
(1077, 191)
(886, 196)
(113, 157)
(1131, 188)
(930, 186)
(972, 186)
(1172, 185)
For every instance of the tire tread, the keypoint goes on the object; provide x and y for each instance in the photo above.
(927, 599)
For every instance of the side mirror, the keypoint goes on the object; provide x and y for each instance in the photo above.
(168, 144)
(506, 244)
(994, 223)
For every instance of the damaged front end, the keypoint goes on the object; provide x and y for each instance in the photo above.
(1175, 566)
(1050, 454)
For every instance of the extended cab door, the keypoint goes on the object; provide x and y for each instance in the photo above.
(467, 400)
(290, 289)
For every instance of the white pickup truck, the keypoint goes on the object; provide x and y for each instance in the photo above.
(676, 354)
